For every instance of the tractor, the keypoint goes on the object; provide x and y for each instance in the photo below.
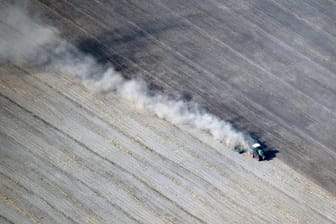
(257, 152)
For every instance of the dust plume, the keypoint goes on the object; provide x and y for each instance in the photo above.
(25, 39)
(21, 36)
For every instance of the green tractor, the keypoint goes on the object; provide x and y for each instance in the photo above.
(257, 152)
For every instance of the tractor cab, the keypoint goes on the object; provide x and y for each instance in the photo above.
(257, 152)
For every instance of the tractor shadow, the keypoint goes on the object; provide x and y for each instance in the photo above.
(270, 154)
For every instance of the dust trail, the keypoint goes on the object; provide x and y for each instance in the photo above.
(35, 43)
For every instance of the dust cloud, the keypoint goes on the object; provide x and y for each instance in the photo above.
(24, 38)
